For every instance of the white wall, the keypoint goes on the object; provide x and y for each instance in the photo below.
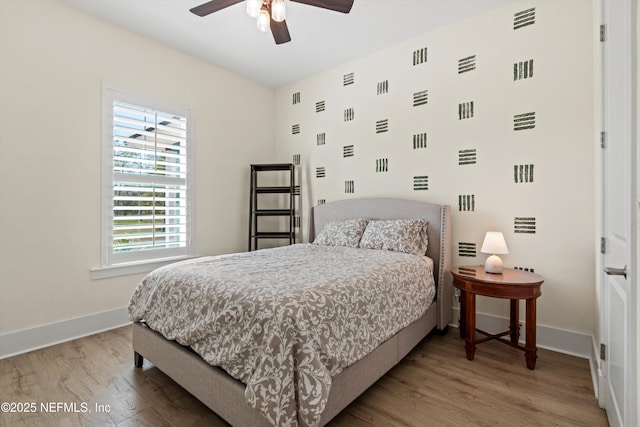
(561, 146)
(54, 61)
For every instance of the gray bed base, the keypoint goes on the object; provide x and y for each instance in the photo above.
(225, 395)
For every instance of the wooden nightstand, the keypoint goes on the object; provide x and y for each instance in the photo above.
(511, 284)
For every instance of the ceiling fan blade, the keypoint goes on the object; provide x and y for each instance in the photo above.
(343, 6)
(212, 6)
(280, 32)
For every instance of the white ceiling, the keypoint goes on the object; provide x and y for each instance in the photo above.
(321, 39)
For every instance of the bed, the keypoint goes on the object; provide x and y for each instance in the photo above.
(306, 371)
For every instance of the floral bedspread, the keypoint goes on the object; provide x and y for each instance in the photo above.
(285, 320)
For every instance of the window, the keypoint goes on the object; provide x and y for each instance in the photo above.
(146, 203)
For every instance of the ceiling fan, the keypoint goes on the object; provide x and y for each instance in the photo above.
(271, 13)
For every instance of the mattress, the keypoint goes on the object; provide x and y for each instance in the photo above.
(285, 320)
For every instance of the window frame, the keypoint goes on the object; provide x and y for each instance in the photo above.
(145, 260)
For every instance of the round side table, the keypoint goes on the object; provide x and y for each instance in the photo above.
(511, 284)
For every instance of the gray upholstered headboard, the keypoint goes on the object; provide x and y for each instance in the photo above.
(438, 230)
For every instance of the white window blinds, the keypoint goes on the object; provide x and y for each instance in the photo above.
(148, 216)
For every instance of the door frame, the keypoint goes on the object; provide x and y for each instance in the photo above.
(631, 49)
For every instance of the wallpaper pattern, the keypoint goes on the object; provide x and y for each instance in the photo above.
(460, 118)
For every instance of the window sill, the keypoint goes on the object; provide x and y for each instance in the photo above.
(127, 269)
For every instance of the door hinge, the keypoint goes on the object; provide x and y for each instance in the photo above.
(603, 352)
(603, 245)
(603, 139)
(602, 33)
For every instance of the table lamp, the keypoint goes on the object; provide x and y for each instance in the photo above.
(494, 244)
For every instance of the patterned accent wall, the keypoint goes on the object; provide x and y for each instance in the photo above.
(467, 64)
(466, 202)
(523, 173)
(466, 125)
(465, 110)
(524, 18)
(382, 126)
(467, 157)
(420, 140)
(467, 249)
(421, 182)
(349, 187)
(349, 114)
(523, 70)
(524, 225)
(524, 121)
(383, 87)
(420, 98)
(382, 165)
(420, 56)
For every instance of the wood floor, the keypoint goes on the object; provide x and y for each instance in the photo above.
(433, 386)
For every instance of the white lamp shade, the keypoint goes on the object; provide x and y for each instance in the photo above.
(494, 243)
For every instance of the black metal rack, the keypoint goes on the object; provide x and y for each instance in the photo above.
(255, 212)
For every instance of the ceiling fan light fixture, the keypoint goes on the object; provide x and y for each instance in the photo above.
(277, 10)
(266, 11)
(253, 8)
(264, 20)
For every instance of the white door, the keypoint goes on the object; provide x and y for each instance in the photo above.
(618, 282)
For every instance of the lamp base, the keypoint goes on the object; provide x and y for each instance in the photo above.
(493, 265)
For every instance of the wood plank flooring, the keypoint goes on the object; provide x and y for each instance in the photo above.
(433, 386)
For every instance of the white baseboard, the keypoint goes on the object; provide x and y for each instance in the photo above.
(559, 340)
(14, 343)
